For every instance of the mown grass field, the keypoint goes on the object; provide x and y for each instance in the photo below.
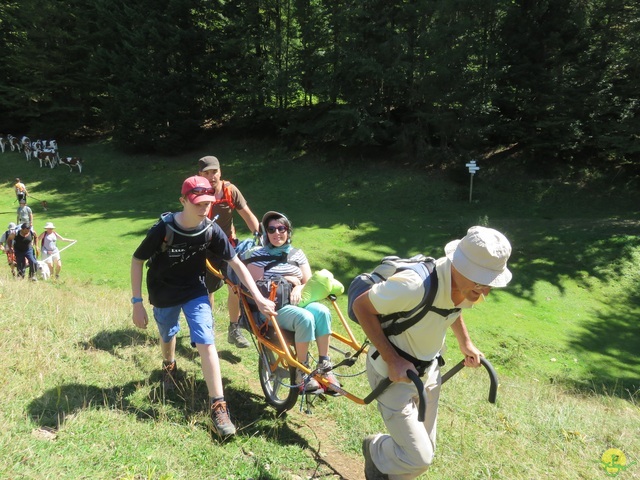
(80, 396)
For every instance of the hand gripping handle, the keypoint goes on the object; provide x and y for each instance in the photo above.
(413, 376)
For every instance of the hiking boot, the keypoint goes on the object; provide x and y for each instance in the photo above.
(221, 421)
(371, 472)
(235, 336)
(169, 376)
(306, 384)
(324, 367)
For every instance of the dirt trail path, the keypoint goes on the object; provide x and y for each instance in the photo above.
(331, 462)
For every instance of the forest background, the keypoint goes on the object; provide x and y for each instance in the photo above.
(545, 91)
(422, 81)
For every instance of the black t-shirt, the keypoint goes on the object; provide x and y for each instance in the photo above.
(178, 274)
(23, 244)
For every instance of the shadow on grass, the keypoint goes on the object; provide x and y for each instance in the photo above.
(145, 398)
(614, 332)
(249, 412)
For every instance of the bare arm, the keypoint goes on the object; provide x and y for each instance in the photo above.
(10, 241)
(368, 319)
(140, 318)
(471, 353)
(61, 238)
(250, 219)
(265, 306)
(296, 291)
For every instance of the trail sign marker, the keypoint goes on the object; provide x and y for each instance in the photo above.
(473, 168)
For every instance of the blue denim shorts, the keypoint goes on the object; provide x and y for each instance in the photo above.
(199, 318)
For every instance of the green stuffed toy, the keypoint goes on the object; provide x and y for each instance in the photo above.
(320, 285)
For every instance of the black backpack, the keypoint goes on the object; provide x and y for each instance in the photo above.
(398, 322)
(169, 225)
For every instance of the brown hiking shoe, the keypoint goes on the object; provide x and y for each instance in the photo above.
(169, 376)
(371, 472)
(221, 421)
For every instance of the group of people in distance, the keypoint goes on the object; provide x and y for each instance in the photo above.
(22, 244)
(177, 280)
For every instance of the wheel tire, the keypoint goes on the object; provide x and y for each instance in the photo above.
(276, 384)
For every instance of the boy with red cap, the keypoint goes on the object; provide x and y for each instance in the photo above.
(176, 282)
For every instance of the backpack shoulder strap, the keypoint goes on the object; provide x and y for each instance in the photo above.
(226, 195)
(170, 230)
(430, 276)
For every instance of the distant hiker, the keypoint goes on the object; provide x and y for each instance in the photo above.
(4, 246)
(471, 268)
(24, 214)
(175, 249)
(49, 248)
(227, 199)
(21, 190)
(23, 244)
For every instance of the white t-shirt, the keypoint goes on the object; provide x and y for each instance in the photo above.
(402, 292)
(50, 243)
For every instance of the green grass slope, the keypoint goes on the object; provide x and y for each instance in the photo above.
(80, 383)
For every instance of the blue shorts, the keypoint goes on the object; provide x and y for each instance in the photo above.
(199, 318)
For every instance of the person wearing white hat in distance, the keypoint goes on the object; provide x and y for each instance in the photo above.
(471, 267)
(49, 248)
(5, 247)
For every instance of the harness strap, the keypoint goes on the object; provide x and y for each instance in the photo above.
(421, 365)
(226, 196)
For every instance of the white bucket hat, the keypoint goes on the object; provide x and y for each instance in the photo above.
(49, 225)
(481, 256)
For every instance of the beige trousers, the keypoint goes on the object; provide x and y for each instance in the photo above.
(408, 449)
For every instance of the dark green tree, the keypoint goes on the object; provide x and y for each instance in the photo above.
(152, 62)
(49, 89)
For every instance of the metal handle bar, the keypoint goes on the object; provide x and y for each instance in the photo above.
(413, 376)
(493, 388)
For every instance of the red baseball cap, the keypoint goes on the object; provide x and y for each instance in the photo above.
(198, 189)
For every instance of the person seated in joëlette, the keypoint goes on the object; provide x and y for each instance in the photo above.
(313, 322)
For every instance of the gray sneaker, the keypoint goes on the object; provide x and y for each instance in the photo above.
(325, 368)
(235, 336)
(221, 421)
(306, 384)
(371, 472)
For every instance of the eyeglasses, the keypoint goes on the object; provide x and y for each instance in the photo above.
(279, 229)
(202, 191)
(479, 286)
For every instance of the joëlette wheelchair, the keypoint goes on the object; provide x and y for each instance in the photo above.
(277, 362)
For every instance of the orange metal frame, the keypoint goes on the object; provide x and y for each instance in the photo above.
(282, 346)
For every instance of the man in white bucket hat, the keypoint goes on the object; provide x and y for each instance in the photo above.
(469, 270)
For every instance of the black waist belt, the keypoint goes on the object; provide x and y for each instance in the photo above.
(421, 365)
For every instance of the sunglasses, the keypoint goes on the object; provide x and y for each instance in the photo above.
(202, 191)
(279, 229)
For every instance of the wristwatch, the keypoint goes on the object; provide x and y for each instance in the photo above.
(136, 300)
